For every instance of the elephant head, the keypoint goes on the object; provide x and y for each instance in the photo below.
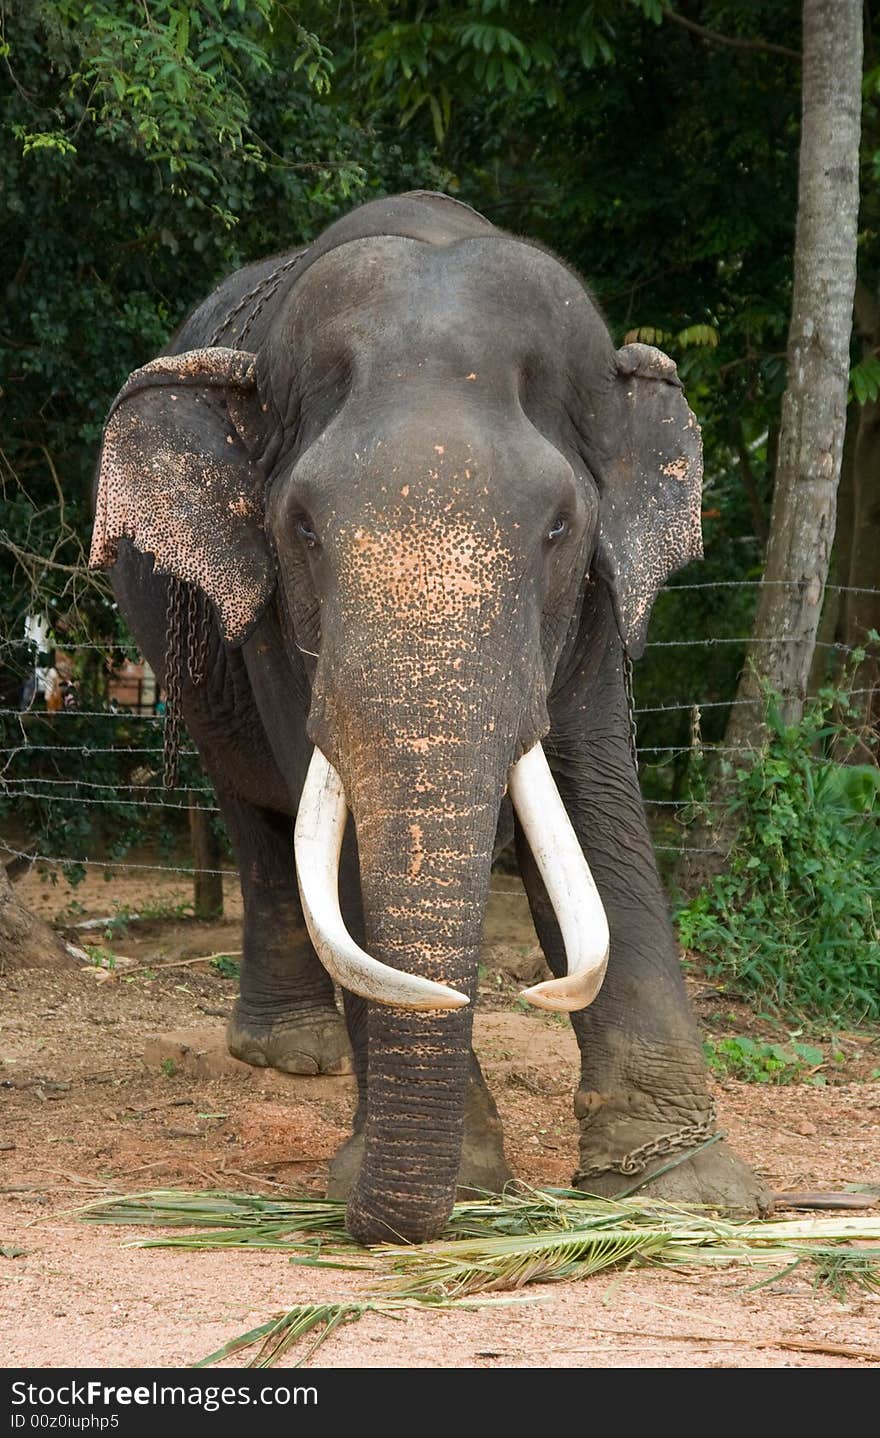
(433, 451)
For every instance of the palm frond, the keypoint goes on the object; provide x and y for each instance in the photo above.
(215, 1209)
(840, 1269)
(525, 1236)
(454, 1269)
(281, 1332)
(279, 1335)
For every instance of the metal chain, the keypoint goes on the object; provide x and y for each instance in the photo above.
(174, 662)
(637, 1160)
(273, 282)
(199, 631)
(262, 291)
(630, 705)
(186, 649)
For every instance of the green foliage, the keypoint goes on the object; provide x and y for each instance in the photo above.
(101, 957)
(843, 1270)
(164, 909)
(172, 82)
(864, 380)
(226, 966)
(795, 919)
(755, 1062)
(124, 804)
(693, 335)
(168, 1067)
(437, 57)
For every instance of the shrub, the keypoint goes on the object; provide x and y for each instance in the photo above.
(795, 917)
(756, 1062)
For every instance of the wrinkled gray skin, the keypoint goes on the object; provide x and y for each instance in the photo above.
(424, 523)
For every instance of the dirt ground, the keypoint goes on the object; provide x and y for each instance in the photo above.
(116, 1080)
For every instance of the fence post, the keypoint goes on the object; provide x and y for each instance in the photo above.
(207, 888)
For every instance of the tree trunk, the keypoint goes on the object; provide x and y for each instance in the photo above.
(826, 665)
(25, 940)
(207, 887)
(814, 405)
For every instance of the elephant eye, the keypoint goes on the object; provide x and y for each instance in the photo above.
(306, 533)
(558, 528)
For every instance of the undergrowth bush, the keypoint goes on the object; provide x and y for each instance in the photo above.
(758, 1062)
(795, 918)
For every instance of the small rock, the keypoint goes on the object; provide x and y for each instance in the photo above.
(807, 1129)
(6, 1145)
(526, 968)
(101, 975)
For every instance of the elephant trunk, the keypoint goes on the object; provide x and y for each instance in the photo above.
(425, 802)
(425, 858)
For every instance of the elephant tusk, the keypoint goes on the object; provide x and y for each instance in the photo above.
(320, 827)
(569, 884)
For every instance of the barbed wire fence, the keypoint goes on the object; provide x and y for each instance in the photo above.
(96, 793)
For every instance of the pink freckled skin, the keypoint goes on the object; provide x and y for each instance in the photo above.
(398, 571)
(418, 853)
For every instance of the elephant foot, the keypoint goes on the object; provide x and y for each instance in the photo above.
(345, 1165)
(296, 1043)
(483, 1166)
(708, 1174)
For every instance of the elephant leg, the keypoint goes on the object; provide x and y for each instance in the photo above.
(643, 1099)
(285, 1016)
(483, 1165)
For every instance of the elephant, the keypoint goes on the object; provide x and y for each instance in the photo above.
(388, 517)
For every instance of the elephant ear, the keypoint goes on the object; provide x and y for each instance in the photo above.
(178, 479)
(650, 506)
